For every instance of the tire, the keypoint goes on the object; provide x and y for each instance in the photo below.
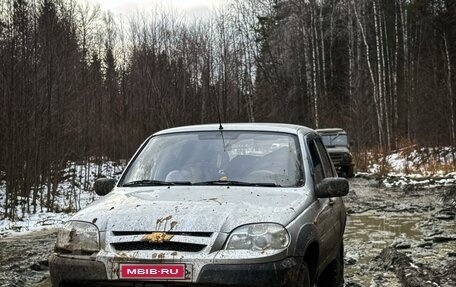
(303, 276)
(350, 171)
(333, 275)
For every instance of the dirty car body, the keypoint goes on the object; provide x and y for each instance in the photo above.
(249, 204)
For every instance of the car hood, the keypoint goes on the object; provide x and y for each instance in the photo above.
(193, 208)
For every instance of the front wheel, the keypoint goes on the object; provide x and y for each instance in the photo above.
(333, 275)
(303, 279)
(350, 171)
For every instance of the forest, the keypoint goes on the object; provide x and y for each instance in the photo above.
(79, 84)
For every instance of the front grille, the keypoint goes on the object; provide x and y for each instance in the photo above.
(336, 156)
(168, 246)
(196, 234)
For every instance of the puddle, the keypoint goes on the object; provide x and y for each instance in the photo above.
(367, 234)
(381, 227)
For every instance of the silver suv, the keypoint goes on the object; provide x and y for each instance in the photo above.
(238, 204)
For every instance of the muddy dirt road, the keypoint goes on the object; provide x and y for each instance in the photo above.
(23, 259)
(402, 236)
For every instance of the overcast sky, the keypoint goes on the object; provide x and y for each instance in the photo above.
(191, 7)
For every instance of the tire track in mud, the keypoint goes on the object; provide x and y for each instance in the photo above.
(23, 258)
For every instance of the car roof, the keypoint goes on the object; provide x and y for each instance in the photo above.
(271, 127)
(330, 131)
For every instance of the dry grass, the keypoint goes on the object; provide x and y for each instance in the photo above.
(366, 159)
(409, 159)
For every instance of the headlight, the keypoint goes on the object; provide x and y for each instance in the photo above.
(347, 156)
(78, 237)
(258, 237)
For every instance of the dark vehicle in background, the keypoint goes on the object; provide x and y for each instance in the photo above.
(338, 147)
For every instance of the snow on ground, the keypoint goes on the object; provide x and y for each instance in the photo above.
(422, 166)
(74, 193)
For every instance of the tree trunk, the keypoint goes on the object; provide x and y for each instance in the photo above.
(450, 89)
(372, 77)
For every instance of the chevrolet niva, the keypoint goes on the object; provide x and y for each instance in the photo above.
(208, 205)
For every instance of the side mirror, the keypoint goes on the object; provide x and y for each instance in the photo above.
(332, 187)
(104, 186)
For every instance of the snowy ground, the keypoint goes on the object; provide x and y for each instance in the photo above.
(74, 192)
(423, 166)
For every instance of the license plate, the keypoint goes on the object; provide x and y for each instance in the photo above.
(152, 271)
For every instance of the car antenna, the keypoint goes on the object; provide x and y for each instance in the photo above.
(220, 124)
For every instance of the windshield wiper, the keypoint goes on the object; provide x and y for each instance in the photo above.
(146, 182)
(334, 138)
(235, 182)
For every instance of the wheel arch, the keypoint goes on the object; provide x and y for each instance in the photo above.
(311, 257)
(308, 247)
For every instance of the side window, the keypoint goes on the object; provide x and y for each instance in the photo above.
(316, 162)
(326, 161)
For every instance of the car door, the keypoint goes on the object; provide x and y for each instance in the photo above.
(326, 220)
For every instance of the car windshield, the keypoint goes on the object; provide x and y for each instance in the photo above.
(231, 158)
(335, 140)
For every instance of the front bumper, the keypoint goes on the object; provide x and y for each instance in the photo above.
(279, 273)
(67, 271)
(342, 163)
(64, 269)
